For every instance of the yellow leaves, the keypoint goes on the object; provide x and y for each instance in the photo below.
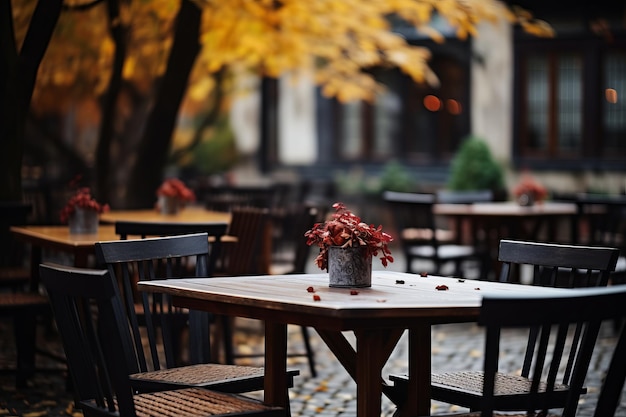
(337, 39)
(343, 37)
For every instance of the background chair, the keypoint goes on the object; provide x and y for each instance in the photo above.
(169, 257)
(20, 300)
(553, 265)
(422, 238)
(100, 354)
(145, 229)
(305, 216)
(250, 254)
(601, 221)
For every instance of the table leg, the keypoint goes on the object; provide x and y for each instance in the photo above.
(275, 388)
(365, 364)
(369, 364)
(418, 402)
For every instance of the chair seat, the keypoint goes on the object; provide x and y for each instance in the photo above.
(224, 378)
(472, 382)
(191, 402)
(465, 388)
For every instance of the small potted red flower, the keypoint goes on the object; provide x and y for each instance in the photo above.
(173, 194)
(82, 212)
(347, 246)
(529, 190)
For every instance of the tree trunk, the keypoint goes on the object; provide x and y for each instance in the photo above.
(18, 72)
(147, 173)
(105, 139)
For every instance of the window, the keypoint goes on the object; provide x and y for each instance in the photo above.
(409, 122)
(570, 103)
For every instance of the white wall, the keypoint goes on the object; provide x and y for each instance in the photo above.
(492, 86)
(297, 134)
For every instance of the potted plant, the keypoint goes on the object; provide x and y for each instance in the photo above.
(173, 194)
(347, 246)
(474, 168)
(82, 212)
(528, 190)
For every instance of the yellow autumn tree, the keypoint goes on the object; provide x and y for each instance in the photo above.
(337, 41)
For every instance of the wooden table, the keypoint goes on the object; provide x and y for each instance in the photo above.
(485, 224)
(191, 214)
(59, 238)
(518, 222)
(378, 316)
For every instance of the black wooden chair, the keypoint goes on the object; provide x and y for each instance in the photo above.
(98, 344)
(557, 316)
(249, 255)
(305, 216)
(20, 300)
(151, 229)
(422, 238)
(601, 221)
(170, 257)
(553, 266)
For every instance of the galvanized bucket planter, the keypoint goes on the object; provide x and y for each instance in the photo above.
(349, 267)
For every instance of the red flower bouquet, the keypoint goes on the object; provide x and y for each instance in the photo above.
(345, 229)
(173, 187)
(82, 199)
(531, 188)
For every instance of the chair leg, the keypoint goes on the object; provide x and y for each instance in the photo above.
(227, 334)
(309, 351)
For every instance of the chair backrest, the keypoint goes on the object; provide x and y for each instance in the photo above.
(163, 228)
(464, 197)
(129, 261)
(413, 211)
(604, 218)
(98, 348)
(306, 217)
(226, 198)
(250, 225)
(555, 316)
(556, 265)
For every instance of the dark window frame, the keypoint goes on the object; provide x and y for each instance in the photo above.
(590, 155)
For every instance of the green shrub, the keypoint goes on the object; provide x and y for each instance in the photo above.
(474, 168)
(395, 177)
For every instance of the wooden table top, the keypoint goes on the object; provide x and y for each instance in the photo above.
(190, 214)
(507, 208)
(395, 299)
(60, 236)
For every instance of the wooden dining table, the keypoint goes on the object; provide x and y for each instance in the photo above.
(81, 246)
(377, 316)
(485, 224)
(189, 214)
(510, 219)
